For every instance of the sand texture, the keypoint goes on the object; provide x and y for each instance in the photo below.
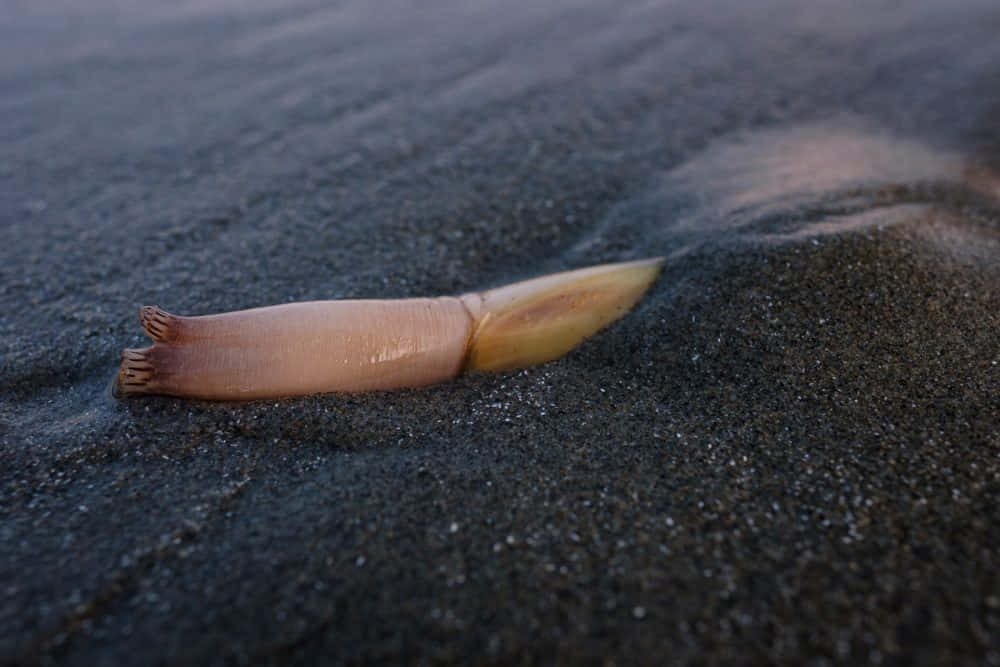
(788, 453)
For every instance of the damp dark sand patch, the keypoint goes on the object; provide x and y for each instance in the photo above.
(777, 446)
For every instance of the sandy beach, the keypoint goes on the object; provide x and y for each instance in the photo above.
(788, 453)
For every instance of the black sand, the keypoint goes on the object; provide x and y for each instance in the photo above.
(789, 453)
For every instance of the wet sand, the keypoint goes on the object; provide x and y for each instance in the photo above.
(788, 453)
